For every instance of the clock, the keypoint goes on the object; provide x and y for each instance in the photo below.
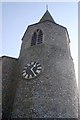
(31, 70)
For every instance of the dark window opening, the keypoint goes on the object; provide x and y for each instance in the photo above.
(34, 38)
(40, 37)
(37, 37)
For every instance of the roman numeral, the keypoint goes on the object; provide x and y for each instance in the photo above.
(30, 76)
(38, 71)
(26, 76)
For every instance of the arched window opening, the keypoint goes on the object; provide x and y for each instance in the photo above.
(40, 37)
(37, 37)
(34, 38)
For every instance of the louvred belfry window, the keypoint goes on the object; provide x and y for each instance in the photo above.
(37, 37)
(40, 37)
(34, 38)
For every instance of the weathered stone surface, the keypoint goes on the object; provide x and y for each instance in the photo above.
(53, 94)
(9, 70)
(79, 108)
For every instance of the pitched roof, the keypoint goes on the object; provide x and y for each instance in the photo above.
(46, 16)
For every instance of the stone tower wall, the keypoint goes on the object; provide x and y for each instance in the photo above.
(53, 93)
(9, 70)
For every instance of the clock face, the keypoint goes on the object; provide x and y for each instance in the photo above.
(31, 70)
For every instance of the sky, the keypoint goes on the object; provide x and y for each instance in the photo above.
(16, 16)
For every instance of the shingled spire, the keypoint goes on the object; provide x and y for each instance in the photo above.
(46, 16)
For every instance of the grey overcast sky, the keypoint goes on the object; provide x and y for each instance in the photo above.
(16, 16)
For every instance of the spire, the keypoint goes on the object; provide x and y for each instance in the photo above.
(46, 7)
(46, 16)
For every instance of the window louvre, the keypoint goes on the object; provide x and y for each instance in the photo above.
(40, 37)
(37, 37)
(34, 37)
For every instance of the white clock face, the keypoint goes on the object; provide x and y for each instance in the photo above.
(31, 70)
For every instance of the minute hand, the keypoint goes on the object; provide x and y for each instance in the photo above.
(33, 71)
(33, 66)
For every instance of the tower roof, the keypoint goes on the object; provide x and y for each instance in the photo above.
(46, 16)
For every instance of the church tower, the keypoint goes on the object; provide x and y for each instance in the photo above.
(46, 85)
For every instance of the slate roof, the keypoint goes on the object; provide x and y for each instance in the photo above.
(47, 16)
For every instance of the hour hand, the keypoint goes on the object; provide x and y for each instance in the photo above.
(33, 71)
